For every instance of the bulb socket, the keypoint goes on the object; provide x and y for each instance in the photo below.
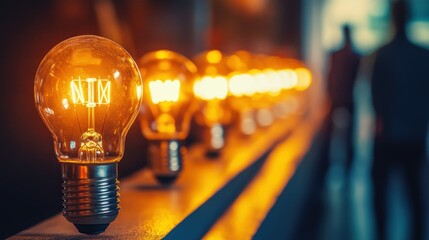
(90, 195)
(264, 117)
(247, 122)
(166, 160)
(214, 140)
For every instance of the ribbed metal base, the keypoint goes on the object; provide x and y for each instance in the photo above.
(166, 160)
(214, 140)
(90, 195)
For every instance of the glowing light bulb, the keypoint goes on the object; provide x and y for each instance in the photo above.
(242, 88)
(212, 91)
(295, 80)
(267, 88)
(304, 78)
(87, 90)
(271, 86)
(168, 105)
(289, 78)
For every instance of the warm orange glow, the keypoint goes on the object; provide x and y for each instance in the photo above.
(260, 80)
(234, 62)
(65, 103)
(164, 91)
(214, 56)
(214, 113)
(209, 88)
(304, 79)
(289, 78)
(242, 85)
(212, 91)
(87, 92)
(83, 91)
(162, 54)
(274, 81)
(165, 123)
(168, 103)
(139, 91)
(253, 204)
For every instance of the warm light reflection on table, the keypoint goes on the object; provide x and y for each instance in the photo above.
(245, 215)
(151, 211)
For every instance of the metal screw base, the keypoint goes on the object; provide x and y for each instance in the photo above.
(214, 140)
(166, 160)
(90, 195)
(91, 229)
(247, 122)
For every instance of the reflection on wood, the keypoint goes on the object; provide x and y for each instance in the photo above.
(151, 211)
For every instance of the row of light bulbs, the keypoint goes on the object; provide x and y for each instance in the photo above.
(89, 90)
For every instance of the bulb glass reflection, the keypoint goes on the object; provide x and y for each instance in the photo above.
(242, 88)
(168, 105)
(87, 90)
(212, 91)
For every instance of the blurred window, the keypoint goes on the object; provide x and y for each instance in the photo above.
(371, 23)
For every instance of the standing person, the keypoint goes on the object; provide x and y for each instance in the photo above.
(343, 70)
(400, 97)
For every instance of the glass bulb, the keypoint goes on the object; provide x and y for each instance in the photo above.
(242, 89)
(212, 92)
(296, 80)
(87, 90)
(168, 105)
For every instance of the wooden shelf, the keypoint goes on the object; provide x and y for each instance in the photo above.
(194, 206)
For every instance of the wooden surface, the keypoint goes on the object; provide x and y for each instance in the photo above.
(193, 207)
(245, 215)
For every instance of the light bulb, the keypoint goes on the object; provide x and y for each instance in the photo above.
(87, 90)
(242, 88)
(212, 91)
(296, 79)
(270, 86)
(167, 109)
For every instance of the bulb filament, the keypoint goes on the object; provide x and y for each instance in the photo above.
(97, 93)
(164, 91)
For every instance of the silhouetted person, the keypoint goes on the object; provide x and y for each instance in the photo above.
(400, 95)
(343, 69)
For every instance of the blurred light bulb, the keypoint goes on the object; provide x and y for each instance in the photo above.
(289, 78)
(271, 66)
(304, 78)
(242, 88)
(296, 79)
(266, 86)
(168, 105)
(240, 85)
(212, 91)
(87, 90)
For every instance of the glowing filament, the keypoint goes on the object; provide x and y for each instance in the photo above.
(289, 78)
(103, 92)
(261, 82)
(274, 82)
(92, 97)
(304, 78)
(164, 91)
(242, 84)
(209, 88)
